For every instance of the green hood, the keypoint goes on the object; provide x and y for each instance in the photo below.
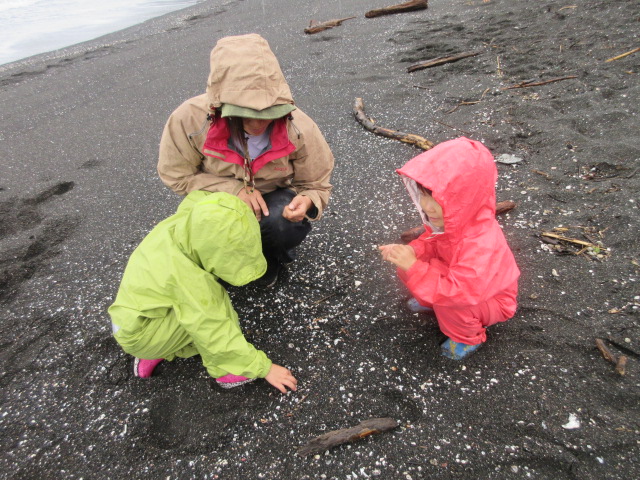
(220, 234)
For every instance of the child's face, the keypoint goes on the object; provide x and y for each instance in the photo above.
(432, 209)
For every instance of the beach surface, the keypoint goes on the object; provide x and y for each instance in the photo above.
(79, 191)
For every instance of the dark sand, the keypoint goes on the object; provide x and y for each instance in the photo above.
(78, 191)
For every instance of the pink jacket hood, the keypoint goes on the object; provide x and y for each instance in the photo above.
(461, 175)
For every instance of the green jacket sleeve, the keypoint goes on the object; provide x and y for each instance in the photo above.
(206, 313)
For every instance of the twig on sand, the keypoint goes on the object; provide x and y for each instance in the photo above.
(606, 353)
(544, 174)
(411, 6)
(326, 297)
(468, 103)
(367, 123)
(621, 365)
(439, 61)
(347, 435)
(454, 128)
(571, 240)
(555, 198)
(529, 83)
(618, 57)
(297, 406)
(620, 362)
(315, 27)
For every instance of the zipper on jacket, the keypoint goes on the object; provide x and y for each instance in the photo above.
(207, 120)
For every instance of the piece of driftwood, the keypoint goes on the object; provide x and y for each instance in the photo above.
(570, 240)
(622, 55)
(505, 206)
(347, 435)
(440, 61)
(410, 235)
(366, 122)
(620, 362)
(621, 365)
(315, 27)
(531, 83)
(604, 350)
(400, 8)
(544, 174)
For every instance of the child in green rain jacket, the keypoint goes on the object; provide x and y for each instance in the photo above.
(171, 304)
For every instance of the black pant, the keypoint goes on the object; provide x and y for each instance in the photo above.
(279, 235)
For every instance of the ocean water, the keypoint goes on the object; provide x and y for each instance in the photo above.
(30, 27)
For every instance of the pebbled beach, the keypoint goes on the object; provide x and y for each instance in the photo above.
(79, 136)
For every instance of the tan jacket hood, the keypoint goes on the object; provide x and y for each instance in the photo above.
(245, 72)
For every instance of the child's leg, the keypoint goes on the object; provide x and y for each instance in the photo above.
(158, 338)
(467, 325)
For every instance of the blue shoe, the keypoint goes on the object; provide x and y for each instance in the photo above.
(415, 307)
(456, 350)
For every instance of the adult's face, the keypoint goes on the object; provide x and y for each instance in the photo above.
(254, 126)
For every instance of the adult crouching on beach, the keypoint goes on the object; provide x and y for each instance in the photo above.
(246, 137)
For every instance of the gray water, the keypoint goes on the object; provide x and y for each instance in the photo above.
(31, 27)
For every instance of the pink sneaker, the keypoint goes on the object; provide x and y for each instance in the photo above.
(230, 380)
(144, 368)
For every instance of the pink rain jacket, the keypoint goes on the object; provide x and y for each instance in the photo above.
(469, 262)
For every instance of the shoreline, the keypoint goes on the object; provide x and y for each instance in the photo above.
(151, 26)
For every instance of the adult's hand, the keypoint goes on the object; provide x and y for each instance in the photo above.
(297, 209)
(281, 378)
(255, 201)
(401, 256)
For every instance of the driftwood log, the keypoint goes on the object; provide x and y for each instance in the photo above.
(366, 122)
(315, 27)
(347, 435)
(439, 61)
(410, 235)
(400, 8)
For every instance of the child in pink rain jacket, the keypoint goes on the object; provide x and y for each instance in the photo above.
(461, 267)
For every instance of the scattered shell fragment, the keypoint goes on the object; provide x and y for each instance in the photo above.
(508, 159)
(573, 422)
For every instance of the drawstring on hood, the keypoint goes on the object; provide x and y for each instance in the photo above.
(293, 125)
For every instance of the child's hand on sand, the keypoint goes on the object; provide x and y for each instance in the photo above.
(281, 378)
(401, 256)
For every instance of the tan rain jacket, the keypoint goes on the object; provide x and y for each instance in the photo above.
(244, 72)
